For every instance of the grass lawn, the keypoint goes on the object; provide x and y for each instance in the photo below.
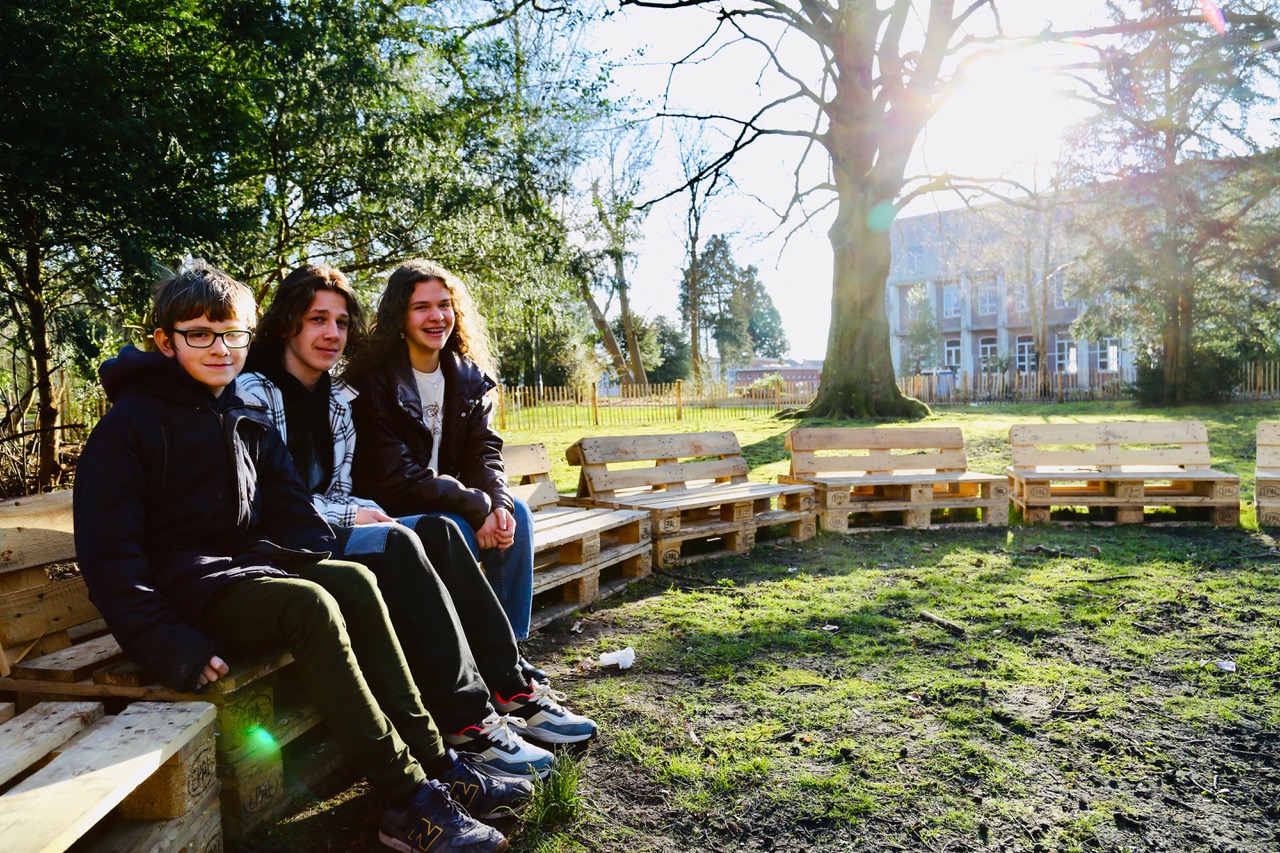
(1116, 688)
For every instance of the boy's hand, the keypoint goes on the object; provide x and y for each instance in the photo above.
(365, 515)
(498, 530)
(215, 669)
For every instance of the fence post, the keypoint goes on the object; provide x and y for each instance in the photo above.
(679, 399)
(595, 409)
(777, 395)
(502, 410)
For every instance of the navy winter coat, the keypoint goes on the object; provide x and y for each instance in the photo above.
(177, 495)
(393, 445)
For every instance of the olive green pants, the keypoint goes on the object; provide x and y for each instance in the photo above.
(334, 621)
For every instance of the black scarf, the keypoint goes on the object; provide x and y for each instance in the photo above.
(306, 416)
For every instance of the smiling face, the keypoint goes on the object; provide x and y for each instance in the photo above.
(318, 345)
(215, 367)
(428, 323)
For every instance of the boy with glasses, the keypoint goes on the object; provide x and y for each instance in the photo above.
(197, 541)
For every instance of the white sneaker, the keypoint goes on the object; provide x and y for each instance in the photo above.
(501, 749)
(545, 719)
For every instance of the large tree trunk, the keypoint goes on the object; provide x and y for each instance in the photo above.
(606, 335)
(48, 469)
(628, 324)
(857, 377)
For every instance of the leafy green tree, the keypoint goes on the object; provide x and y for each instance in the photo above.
(731, 301)
(675, 360)
(1182, 187)
(920, 344)
(111, 112)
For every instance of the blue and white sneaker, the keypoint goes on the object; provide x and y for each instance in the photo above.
(544, 717)
(501, 749)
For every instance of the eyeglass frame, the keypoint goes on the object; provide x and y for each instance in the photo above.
(216, 337)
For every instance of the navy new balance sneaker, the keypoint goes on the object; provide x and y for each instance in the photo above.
(481, 791)
(434, 823)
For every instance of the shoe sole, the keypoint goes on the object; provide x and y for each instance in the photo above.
(554, 737)
(395, 844)
(522, 773)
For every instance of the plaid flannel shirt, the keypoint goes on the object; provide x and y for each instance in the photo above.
(337, 505)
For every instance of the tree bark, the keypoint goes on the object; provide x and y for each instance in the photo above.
(606, 334)
(628, 322)
(857, 376)
(48, 468)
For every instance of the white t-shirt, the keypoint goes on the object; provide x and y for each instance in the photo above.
(431, 392)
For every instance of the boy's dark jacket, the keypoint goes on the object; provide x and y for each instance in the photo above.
(177, 495)
(393, 445)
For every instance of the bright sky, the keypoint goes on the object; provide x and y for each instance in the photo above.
(1006, 120)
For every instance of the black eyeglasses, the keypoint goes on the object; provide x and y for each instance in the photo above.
(204, 338)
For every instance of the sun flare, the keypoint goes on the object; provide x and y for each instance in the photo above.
(1008, 117)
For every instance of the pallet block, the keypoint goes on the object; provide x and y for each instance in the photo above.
(1115, 471)
(910, 477)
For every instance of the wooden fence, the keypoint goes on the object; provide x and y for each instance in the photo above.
(525, 408)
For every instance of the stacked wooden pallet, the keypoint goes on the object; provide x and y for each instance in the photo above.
(1116, 470)
(580, 554)
(142, 781)
(695, 488)
(54, 645)
(1266, 483)
(913, 477)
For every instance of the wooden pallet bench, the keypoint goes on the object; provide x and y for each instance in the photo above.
(1266, 483)
(915, 477)
(55, 645)
(1116, 470)
(142, 780)
(581, 554)
(695, 488)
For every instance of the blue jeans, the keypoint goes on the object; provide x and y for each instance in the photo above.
(509, 572)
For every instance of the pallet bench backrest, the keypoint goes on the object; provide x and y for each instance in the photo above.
(528, 469)
(1269, 445)
(1178, 444)
(37, 615)
(667, 473)
(875, 450)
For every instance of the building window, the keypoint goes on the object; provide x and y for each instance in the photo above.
(1057, 281)
(1019, 298)
(1065, 355)
(1106, 355)
(987, 296)
(987, 355)
(914, 262)
(915, 297)
(951, 300)
(1025, 354)
(951, 352)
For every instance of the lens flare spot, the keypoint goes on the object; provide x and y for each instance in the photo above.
(261, 740)
(881, 216)
(1213, 14)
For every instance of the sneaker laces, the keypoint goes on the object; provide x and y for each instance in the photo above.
(498, 727)
(546, 697)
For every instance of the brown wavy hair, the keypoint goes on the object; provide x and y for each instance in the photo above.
(293, 299)
(470, 336)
